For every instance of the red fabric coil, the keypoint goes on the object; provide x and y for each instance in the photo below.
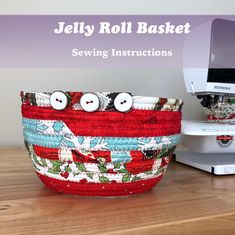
(99, 189)
(213, 118)
(143, 116)
(136, 123)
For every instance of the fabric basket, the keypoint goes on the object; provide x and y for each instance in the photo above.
(101, 143)
(224, 113)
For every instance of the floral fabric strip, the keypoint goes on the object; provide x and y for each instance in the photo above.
(98, 173)
(103, 157)
(56, 134)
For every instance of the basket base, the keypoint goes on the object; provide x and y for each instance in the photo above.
(99, 189)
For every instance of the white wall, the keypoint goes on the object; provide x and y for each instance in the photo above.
(166, 83)
(164, 7)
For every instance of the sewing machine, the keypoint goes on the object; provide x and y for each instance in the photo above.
(211, 143)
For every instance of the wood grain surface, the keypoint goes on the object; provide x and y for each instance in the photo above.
(187, 201)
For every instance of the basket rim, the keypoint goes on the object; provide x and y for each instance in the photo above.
(176, 100)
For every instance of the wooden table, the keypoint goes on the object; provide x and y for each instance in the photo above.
(187, 201)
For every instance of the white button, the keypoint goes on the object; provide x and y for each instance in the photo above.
(58, 100)
(170, 101)
(89, 102)
(123, 102)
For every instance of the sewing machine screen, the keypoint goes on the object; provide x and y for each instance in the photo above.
(222, 52)
(221, 75)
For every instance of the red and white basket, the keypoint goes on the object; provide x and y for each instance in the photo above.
(102, 143)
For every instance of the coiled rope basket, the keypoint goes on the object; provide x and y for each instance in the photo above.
(224, 112)
(102, 143)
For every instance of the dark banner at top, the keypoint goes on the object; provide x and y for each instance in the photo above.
(117, 41)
